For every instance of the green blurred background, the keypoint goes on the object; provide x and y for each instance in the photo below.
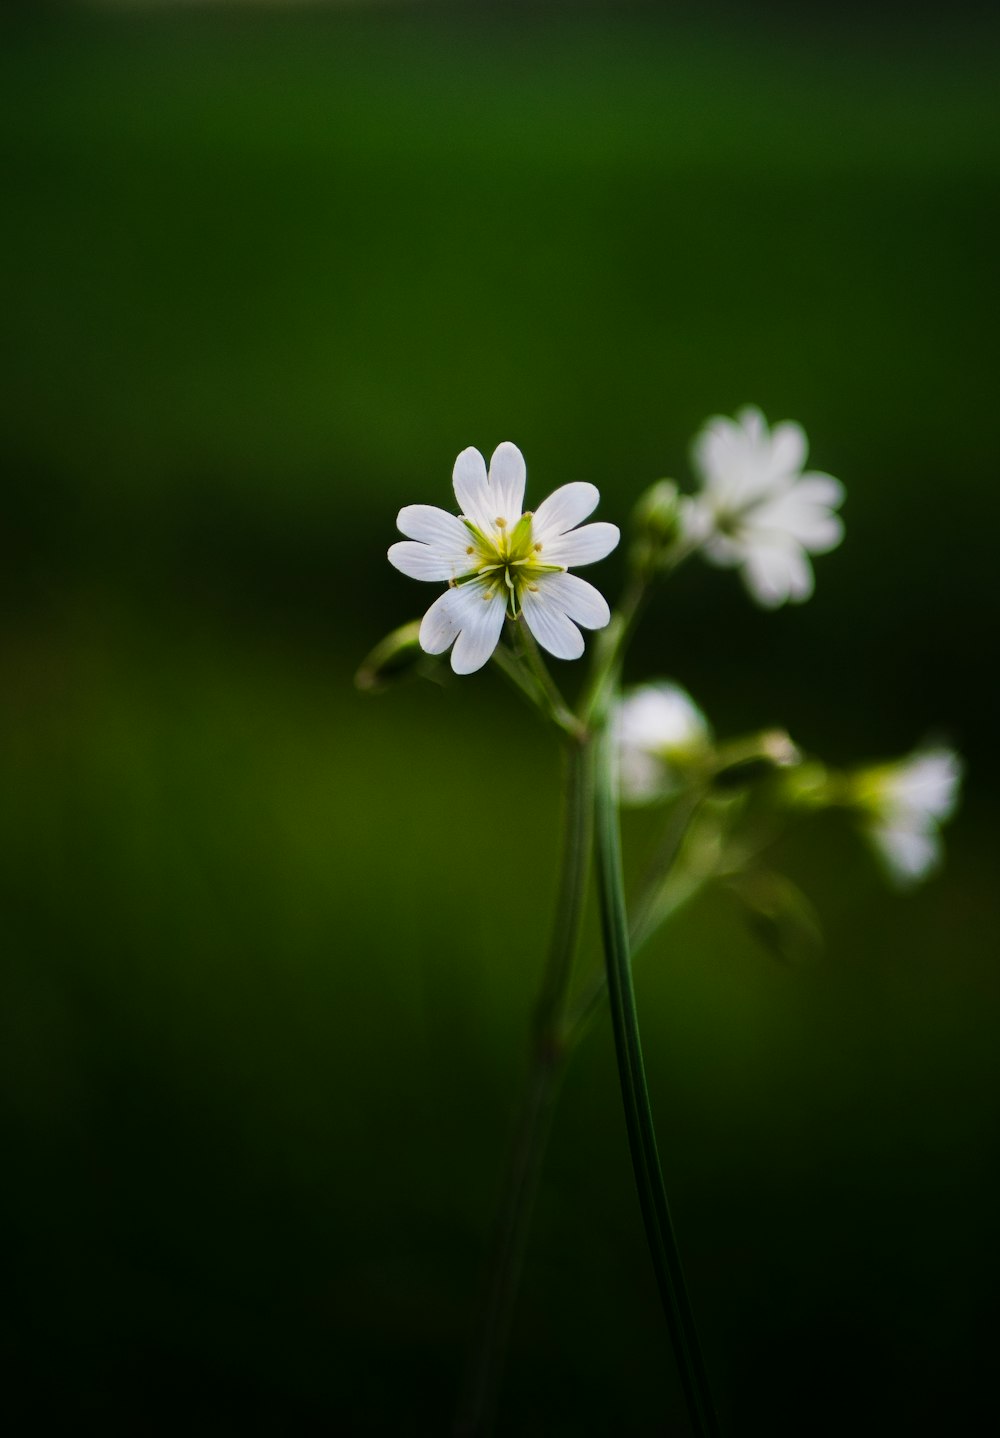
(265, 989)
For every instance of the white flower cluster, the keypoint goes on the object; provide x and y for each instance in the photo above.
(757, 509)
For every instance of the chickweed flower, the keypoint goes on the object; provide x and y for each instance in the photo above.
(501, 561)
(660, 732)
(757, 510)
(903, 805)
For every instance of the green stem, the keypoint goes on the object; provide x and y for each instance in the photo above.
(635, 1097)
(554, 703)
(512, 668)
(477, 1410)
(610, 647)
(674, 897)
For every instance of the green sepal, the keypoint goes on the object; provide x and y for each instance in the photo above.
(521, 534)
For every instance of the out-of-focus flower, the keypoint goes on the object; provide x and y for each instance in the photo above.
(902, 807)
(661, 733)
(757, 510)
(500, 561)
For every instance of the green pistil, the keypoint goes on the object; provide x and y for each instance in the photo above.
(508, 559)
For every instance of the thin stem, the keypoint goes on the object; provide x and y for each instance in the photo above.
(662, 894)
(558, 709)
(610, 648)
(513, 670)
(635, 1096)
(477, 1411)
(674, 896)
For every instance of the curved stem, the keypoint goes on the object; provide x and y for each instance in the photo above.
(635, 1097)
(477, 1410)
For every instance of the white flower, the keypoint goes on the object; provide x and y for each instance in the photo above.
(903, 805)
(660, 731)
(756, 508)
(499, 561)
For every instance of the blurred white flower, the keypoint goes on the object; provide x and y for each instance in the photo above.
(499, 561)
(903, 805)
(757, 510)
(660, 731)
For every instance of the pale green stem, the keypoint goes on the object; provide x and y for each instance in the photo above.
(671, 898)
(513, 669)
(635, 1096)
(477, 1411)
(557, 708)
(610, 647)
(660, 897)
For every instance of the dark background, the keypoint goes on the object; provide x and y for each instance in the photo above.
(266, 975)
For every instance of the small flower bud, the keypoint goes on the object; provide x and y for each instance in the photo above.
(398, 656)
(655, 524)
(656, 511)
(743, 761)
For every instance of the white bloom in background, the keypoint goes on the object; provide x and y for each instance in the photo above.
(903, 805)
(500, 561)
(660, 731)
(757, 510)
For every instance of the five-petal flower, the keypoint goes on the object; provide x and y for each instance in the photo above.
(757, 510)
(500, 560)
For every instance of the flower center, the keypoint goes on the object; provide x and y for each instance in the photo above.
(507, 560)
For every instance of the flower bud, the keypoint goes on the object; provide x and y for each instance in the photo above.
(743, 761)
(396, 657)
(655, 523)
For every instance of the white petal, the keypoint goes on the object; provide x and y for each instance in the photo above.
(909, 853)
(788, 448)
(774, 573)
(507, 477)
(432, 526)
(804, 513)
(642, 777)
(578, 599)
(753, 423)
(724, 550)
(424, 561)
(739, 462)
(816, 529)
(551, 626)
(581, 546)
(447, 616)
(712, 446)
(481, 627)
(472, 489)
(660, 716)
(564, 508)
(926, 785)
(696, 519)
(820, 488)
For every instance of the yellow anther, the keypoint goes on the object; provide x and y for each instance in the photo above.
(500, 522)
